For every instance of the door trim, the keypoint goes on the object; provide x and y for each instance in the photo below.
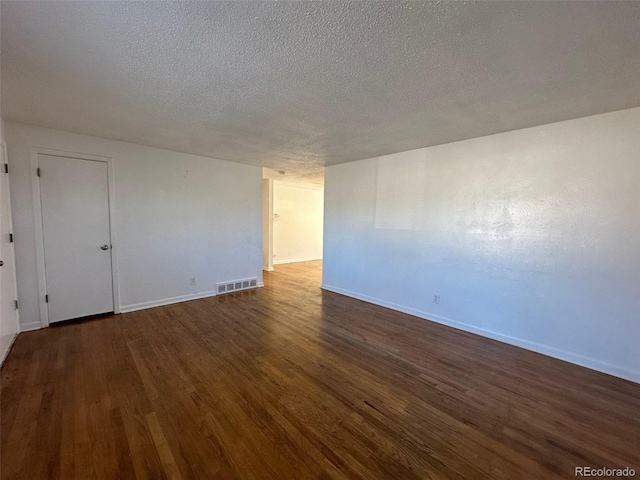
(39, 232)
(5, 159)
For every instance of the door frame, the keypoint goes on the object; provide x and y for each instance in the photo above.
(4, 158)
(39, 231)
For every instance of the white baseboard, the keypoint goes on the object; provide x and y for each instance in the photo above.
(570, 357)
(31, 326)
(6, 354)
(166, 301)
(296, 260)
(268, 269)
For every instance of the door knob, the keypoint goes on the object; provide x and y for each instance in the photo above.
(105, 247)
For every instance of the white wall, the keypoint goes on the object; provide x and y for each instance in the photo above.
(531, 237)
(297, 230)
(176, 216)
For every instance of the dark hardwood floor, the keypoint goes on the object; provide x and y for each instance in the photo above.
(291, 382)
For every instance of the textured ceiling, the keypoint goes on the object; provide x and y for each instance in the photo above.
(297, 85)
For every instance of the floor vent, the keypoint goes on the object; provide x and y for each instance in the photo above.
(236, 285)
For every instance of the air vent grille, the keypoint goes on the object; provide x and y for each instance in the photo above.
(236, 285)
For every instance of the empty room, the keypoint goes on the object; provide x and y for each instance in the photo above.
(319, 240)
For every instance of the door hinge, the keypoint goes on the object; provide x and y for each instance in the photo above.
(46, 298)
(38, 171)
(11, 238)
(6, 168)
(15, 302)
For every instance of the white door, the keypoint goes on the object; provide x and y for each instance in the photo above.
(8, 296)
(77, 243)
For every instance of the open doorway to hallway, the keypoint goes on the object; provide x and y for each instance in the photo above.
(293, 214)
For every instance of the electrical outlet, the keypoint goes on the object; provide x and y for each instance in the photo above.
(192, 281)
(436, 299)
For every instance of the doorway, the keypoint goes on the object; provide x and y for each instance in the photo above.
(77, 256)
(298, 211)
(292, 222)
